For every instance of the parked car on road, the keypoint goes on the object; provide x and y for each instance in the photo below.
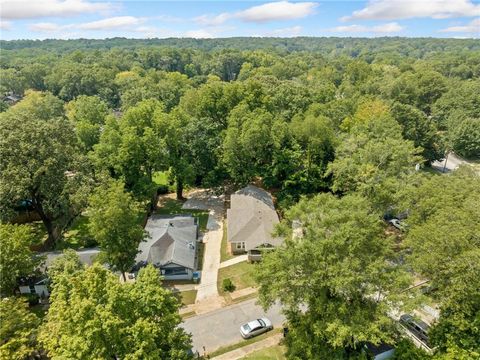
(255, 327)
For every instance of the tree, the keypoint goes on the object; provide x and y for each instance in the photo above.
(87, 113)
(466, 137)
(16, 258)
(38, 149)
(372, 158)
(444, 224)
(93, 316)
(132, 147)
(18, 328)
(114, 222)
(419, 129)
(337, 281)
(67, 264)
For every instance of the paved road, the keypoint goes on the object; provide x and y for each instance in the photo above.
(222, 327)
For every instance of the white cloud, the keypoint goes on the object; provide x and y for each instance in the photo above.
(118, 22)
(199, 34)
(285, 32)
(472, 27)
(406, 9)
(45, 27)
(281, 10)
(115, 23)
(209, 20)
(23, 9)
(5, 25)
(387, 28)
(273, 11)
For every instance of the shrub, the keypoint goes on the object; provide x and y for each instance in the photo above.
(227, 285)
(162, 189)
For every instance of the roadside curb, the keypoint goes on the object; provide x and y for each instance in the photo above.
(248, 349)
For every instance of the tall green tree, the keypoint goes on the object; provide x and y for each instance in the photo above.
(16, 258)
(114, 222)
(337, 280)
(87, 114)
(93, 316)
(38, 149)
(417, 127)
(67, 264)
(372, 158)
(132, 147)
(18, 329)
(445, 249)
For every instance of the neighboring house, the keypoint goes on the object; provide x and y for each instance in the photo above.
(250, 222)
(380, 352)
(171, 246)
(11, 98)
(38, 283)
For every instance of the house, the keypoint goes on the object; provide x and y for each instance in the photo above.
(250, 222)
(38, 283)
(171, 246)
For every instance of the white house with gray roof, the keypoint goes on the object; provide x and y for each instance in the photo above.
(250, 222)
(37, 283)
(171, 246)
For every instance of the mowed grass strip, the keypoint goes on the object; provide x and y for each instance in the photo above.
(241, 274)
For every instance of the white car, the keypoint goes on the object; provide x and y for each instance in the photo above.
(255, 327)
(397, 224)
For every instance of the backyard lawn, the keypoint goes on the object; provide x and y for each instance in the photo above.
(76, 237)
(241, 274)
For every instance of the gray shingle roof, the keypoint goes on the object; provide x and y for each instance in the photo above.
(252, 218)
(171, 240)
(86, 256)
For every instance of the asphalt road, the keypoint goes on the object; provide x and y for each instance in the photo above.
(222, 327)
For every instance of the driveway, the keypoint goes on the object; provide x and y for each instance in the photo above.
(207, 295)
(450, 163)
(221, 327)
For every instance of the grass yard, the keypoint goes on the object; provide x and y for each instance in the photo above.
(224, 253)
(76, 237)
(241, 274)
(243, 343)
(188, 297)
(174, 207)
(276, 352)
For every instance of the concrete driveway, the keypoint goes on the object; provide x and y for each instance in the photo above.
(221, 327)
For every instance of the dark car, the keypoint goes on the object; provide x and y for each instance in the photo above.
(417, 327)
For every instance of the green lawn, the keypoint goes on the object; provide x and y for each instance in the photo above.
(241, 274)
(174, 207)
(276, 352)
(76, 237)
(224, 253)
(188, 297)
(161, 178)
(243, 343)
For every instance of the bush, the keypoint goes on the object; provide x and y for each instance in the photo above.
(227, 285)
(33, 299)
(162, 189)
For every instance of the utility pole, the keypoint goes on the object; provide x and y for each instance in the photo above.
(445, 165)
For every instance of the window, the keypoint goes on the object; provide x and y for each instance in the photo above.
(175, 271)
(241, 245)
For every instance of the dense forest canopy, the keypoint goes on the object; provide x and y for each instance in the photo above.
(343, 132)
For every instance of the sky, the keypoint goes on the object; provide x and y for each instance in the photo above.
(71, 19)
